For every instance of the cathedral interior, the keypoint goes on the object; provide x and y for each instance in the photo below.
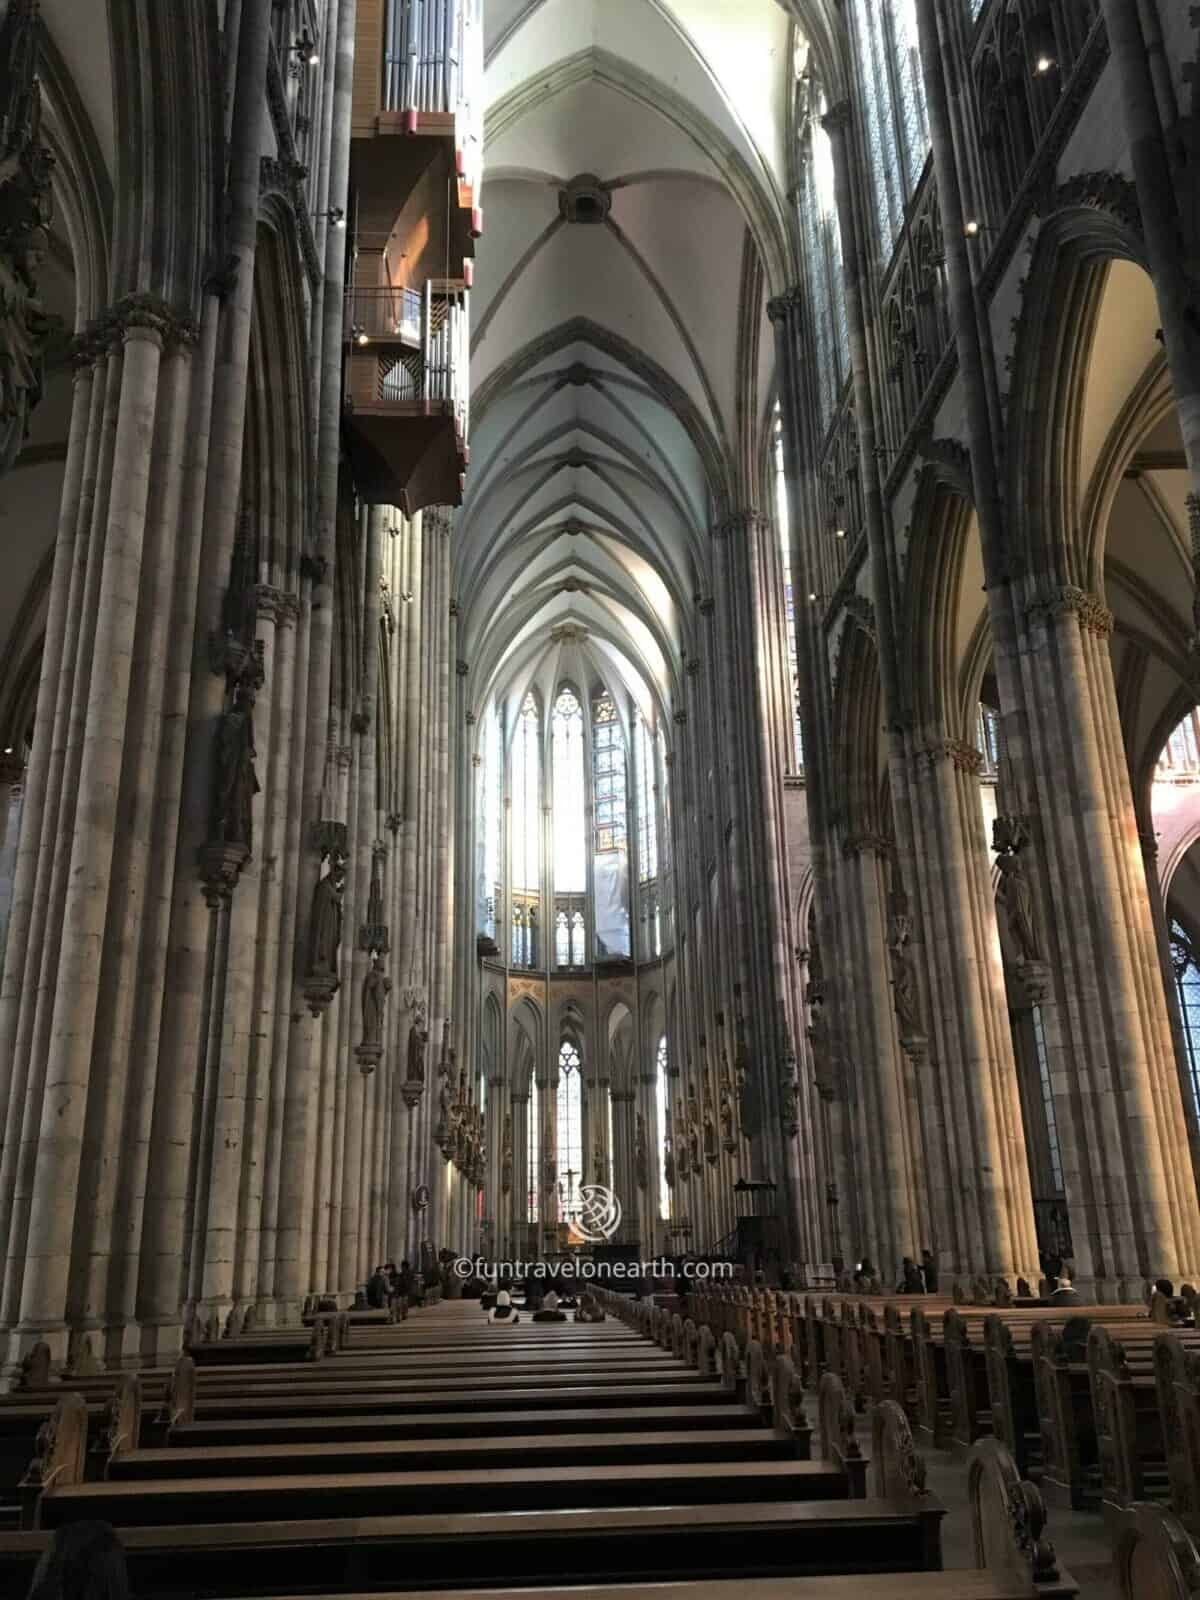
(600, 659)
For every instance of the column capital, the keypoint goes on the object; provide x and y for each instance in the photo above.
(282, 606)
(783, 307)
(837, 117)
(1066, 600)
(745, 522)
(965, 757)
(143, 316)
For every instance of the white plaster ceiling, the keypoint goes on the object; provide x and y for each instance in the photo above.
(618, 391)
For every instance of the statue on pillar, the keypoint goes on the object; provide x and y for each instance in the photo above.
(728, 1135)
(693, 1130)
(418, 1040)
(1009, 836)
(375, 990)
(904, 978)
(235, 780)
(669, 1161)
(325, 924)
(640, 1164)
(599, 1164)
(711, 1149)
(506, 1155)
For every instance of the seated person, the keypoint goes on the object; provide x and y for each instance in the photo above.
(503, 1311)
(550, 1311)
(84, 1561)
(589, 1309)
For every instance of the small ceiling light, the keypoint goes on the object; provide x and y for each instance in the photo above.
(812, 596)
(306, 50)
(8, 749)
(1043, 65)
(971, 228)
(362, 336)
(839, 533)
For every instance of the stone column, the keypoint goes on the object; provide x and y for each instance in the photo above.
(68, 1069)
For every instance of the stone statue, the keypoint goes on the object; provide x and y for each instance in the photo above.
(376, 987)
(235, 781)
(325, 922)
(904, 986)
(1016, 893)
(789, 1106)
(640, 1166)
(599, 1165)
(669, 1162)
(418, 1040)
(710, 1127)
(726, 1114)
(506, 1155)
(25, 172)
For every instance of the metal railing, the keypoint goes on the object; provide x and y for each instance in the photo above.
(435, 327)
(433, 62)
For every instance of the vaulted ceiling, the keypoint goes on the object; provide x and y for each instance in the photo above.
(622, 362)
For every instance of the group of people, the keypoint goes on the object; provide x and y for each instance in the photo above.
(546, 1308)
(915, 1277)
(391, 1286)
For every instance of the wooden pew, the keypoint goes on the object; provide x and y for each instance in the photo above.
(1155, 1556)
(1130, 1443)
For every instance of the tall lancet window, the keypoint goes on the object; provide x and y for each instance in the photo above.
(661, 1102)
(611, 824)
(490, 887)
(647, 818)
(527, 808)
(570, 854)
(533, 1153)
(1187, 986)
(893, 100)
(526, 833)
(570, 1127)
(823, 252)
(789, 599)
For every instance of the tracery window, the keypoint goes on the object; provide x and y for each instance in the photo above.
(570, 861)
(570, 1126)
(533, 1153)
(661, 1102)
(1187, 987)
(823, 254)
(1056, 1169)
(987, 734)
(647, 818)
(789, 600)
(526, 796)
(493, 822)
(893, 99)
(1181, 753)
(611, 801)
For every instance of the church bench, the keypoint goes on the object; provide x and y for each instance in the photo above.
(442, 1398)
(161, 1501)
(1130, 1442)
(1155, 1556)
(559, 1449)
(462, 1423)
(1177, 1386)
(331, 1554)
(353, 1378)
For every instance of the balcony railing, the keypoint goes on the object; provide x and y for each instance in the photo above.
(421, 343)
(433, 63)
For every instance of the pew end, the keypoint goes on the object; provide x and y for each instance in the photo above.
(1155, 1556)
(1008, 1519)
(60, 1456)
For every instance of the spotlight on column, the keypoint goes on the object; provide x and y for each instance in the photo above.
(306, 50)
(1044, 64)
(839, 533)
(971, 228)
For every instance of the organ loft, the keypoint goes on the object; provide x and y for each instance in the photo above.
(599, 704)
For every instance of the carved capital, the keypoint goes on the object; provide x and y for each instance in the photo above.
(857, 844)
(220, 870)
(965, 757)
(1066, 600)
(784, 307)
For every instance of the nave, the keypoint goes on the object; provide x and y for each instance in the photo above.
(654, 1454)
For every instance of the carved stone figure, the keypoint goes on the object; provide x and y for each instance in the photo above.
(710, 1127)
(726, 1113)
(789, 1107)
(506, 1155)
(418, 1040)
(599, 1165)
(235, 781)
(375, 990)
(1016, 893)
(669, 1162)
(904, 985)
(640, 1165)
(325, 922)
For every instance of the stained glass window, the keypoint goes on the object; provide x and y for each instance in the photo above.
(660, 1099)
(532, 1152)
(1056, 1172)
(893, 100)
(823, 254)
(1181, 753)
(1187, 985)
(493, 820)
(988, 735)
(570, 859)
(789, 603)
(570, 1125)
(610, 800)
(646, 809)
(526, 799)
